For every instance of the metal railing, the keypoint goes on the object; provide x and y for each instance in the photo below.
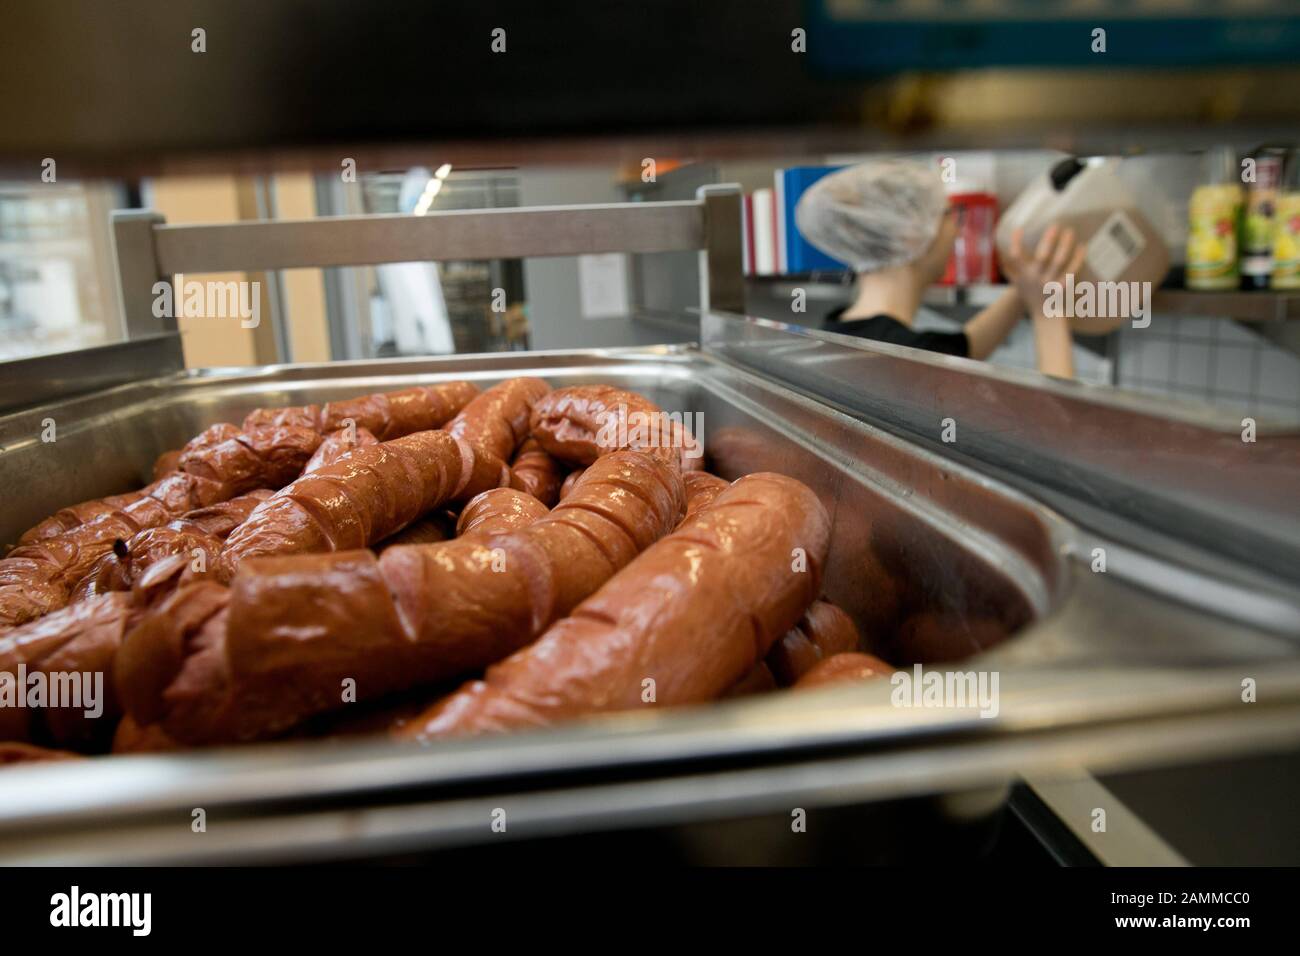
(149, 251)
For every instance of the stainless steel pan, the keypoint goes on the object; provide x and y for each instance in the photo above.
(1139, 665)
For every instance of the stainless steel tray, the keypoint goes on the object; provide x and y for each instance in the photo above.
(1136, 666)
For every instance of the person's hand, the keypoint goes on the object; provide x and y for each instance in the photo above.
(1056, 257)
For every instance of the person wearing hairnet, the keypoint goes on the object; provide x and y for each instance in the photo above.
(890, 221)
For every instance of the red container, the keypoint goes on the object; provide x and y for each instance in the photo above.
(974, 259)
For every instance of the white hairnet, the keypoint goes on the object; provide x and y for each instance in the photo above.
(874, 215)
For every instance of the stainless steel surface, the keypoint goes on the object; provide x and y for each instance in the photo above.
(279, 803)
(347, 294)
(1238, 810)
(1262, 306)
(32, 382)
(722, 269)
(275, 317)
(456, 234)
(1125, 840)
(136, 260)
(1125, 668)
(148, 250)
(1136, 465)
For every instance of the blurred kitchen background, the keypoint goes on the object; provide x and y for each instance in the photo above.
(265, 126)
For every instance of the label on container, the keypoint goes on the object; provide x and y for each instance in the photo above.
(1286, 242)
(1257, 223)
(1214, 214)
(1114, 247)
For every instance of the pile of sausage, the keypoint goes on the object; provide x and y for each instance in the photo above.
(329, 569)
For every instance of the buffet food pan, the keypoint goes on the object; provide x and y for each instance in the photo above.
(940, 566)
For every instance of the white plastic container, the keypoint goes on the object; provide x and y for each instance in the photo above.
(1089, 196)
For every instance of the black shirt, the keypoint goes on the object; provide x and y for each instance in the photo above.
(885, 328)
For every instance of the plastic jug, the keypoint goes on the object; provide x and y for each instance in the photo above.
(1089, 196)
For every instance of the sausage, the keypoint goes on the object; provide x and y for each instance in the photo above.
(694, 614)
(196, 534)
(355, 502)
(701, 490)
(233, 460)
(212, 664)
(367, 719)
(881, 597)
(12, 752)
(260, 457)
(830, 629)
(237, 461)
(759, 680)
(497, 420)
(154, 649)
(337, 444)
(166, 463)
(498, 511)
(220, 463)
(133, 738)
(38, 577)
(430, 529)
(569, 481)
(692, 452)
(822, 632)
(82, 638)
(386, 415)
(791, 657)
(580, 423)
(65, 519)
(274, 648)
(843, 668)
(494, 424)
(389, 415)
(536, 472)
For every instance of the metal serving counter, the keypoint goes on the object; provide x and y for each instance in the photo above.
(1139, 666)
(979, 552)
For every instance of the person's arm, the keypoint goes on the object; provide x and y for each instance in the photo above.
(1054, 346)
(991, 325)
(1055, 257)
